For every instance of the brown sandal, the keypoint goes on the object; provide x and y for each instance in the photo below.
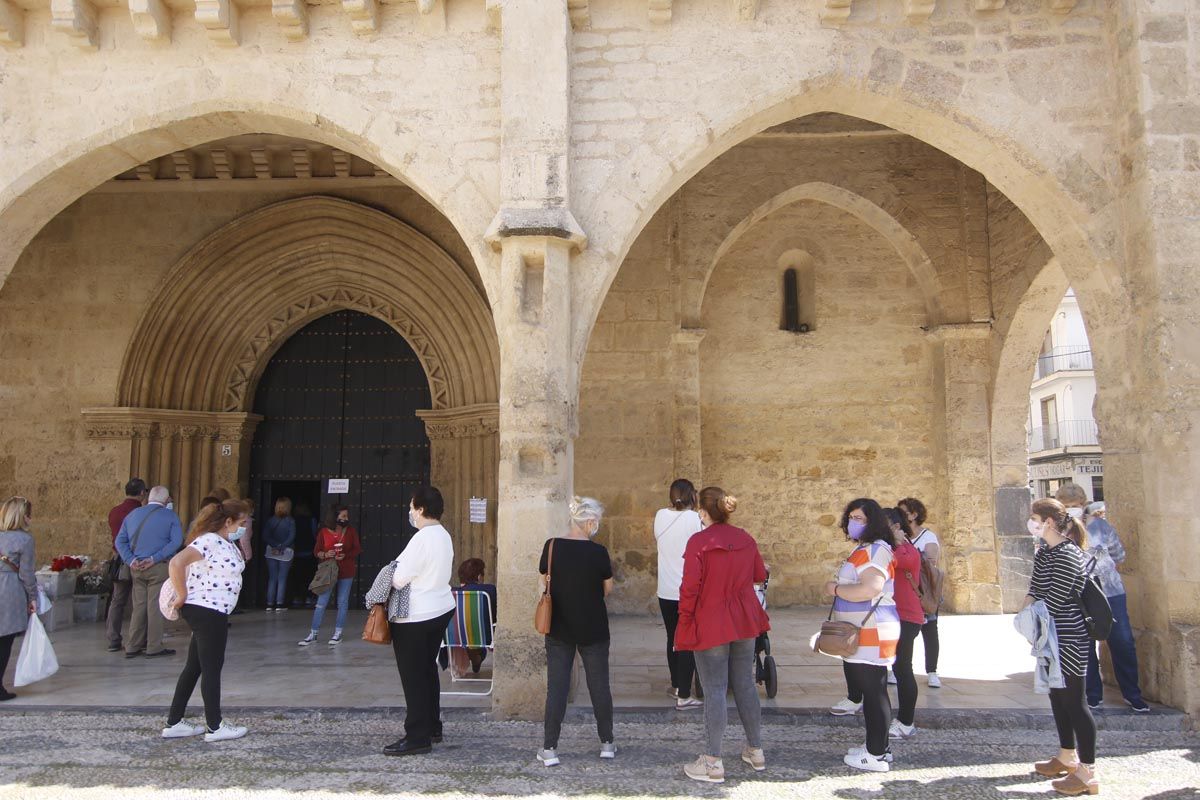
(1073, 785)
(1053, 768)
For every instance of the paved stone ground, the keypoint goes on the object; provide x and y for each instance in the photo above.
(314, 755)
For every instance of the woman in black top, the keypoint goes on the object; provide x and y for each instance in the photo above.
(580, 578)
(1058, 578)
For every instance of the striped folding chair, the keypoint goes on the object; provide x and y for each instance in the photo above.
(473, 627)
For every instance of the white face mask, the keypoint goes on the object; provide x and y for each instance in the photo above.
(412, 517)
(1035, 528)
(239, 533)
(170, 505)
(1075, 513)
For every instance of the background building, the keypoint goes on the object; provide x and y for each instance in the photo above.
(1064, 445)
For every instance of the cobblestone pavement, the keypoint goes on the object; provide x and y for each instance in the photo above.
(336, 755)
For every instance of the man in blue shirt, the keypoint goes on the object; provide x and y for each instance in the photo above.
(148, 538)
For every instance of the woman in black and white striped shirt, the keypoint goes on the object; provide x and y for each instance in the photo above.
(1058, 577)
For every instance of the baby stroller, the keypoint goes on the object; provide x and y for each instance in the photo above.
(765, 673)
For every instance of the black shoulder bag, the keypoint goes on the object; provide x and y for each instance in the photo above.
(1093, 604)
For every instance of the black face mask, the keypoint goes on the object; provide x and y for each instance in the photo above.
(344, 522)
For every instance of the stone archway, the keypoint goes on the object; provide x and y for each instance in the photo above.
(189, 373)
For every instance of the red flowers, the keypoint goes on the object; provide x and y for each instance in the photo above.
(64, 563)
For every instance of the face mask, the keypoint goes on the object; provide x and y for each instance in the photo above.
(412, 517)
(239, 533)
(856, 529)
(1075, 513)
(1035, 528)
(171, 506)
(344, 522)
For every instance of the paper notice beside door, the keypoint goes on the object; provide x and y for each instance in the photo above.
(478, 509)
(339, 486)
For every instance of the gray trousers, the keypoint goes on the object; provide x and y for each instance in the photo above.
(729, 666)
(146, 622)
(116, 610)
(560, 657)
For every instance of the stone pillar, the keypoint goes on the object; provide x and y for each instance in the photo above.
(968, 537)
(464, 457)
(685, 373)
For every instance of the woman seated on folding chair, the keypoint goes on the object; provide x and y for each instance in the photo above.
(470, 576)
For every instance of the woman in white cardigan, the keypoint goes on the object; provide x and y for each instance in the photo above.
(425, 566)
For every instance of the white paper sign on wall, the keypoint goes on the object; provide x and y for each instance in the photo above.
(478, 508)
(339, 486)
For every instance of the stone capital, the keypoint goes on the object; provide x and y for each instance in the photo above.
(461, 422)
(143, 423)
(688, 337)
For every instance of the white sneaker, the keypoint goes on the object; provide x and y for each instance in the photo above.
(862, 748)
(866, 761)
(335, 640)
(688, 702)
(549, 758)
(899, 730)
(891, 678)
(933, 681)
(608, 750)
(182, 730)
(225, 733)
(307, 640)
(845, 707)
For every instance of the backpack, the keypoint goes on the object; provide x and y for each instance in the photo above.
(932, 584)
(1093, 604)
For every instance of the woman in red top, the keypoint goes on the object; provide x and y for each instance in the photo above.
(719, 619)
(337, 541)
(907, 559)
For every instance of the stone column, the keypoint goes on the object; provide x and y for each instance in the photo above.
(539, 383)
(968, 538)
(464, 457)
(685, 373)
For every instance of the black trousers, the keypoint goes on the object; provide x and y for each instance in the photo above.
(929, 633)
(6, 644)
(871, 682)
(853, 693)
(906, 681)
(560, 658)
(416, 646)
(205, 658)
(682, 664)
(1074, 720)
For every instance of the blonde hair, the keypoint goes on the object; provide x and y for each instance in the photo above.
(283, 507)
(717, 504)
(14, 512)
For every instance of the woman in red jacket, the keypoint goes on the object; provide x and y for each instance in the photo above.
(719, 619)
(337, 541)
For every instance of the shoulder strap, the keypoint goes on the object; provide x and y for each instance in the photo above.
(664, 533)
(549, 564)
(137, 533)
(871, 612)
(9, 562)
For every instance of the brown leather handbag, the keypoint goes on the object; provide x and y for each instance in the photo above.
(376, 631)
(542, 614)
(840, 639)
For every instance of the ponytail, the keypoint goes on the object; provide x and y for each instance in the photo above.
(1076, 532)
(213, 517)
(1064, 523)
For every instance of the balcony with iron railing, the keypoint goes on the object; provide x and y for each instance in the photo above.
(1062, 359)
(1064, 434)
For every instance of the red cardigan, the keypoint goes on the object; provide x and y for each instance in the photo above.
(350, 549)
(717, 603)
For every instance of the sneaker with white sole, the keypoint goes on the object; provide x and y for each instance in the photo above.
(307, 640)
(899, 730)
(225, 733)
(549, 758)
(845, 707)
(862, 748)
(608, 750)
(933, 681)
(891, 678)
(867, 762)
(688, 702)
(182, 730)
(335, 640)
(754, 757)
(705, 770)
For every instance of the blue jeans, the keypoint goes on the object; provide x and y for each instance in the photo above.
(1124, 657)
(277, 572)
(343, 590)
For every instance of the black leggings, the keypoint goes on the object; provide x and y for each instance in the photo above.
(929, 633)
(1074, 719)
(6, 643)
(205, 658)
(870, 681)
(682, 664)
(906, 682)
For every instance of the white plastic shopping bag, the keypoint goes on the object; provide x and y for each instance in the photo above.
(43, 600)
(37, 660)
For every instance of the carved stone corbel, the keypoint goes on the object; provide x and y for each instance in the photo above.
(77, 19)
(292, 16)
(835, 12)
(581, 15)
(989, 5)
(659, 10)
(151, 19)
(919, 10)
(364, 15)
(12, 24)
(1063, 6)
(746, 10)
(220, 19)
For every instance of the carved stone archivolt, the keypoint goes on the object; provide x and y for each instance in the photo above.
(291, 263)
